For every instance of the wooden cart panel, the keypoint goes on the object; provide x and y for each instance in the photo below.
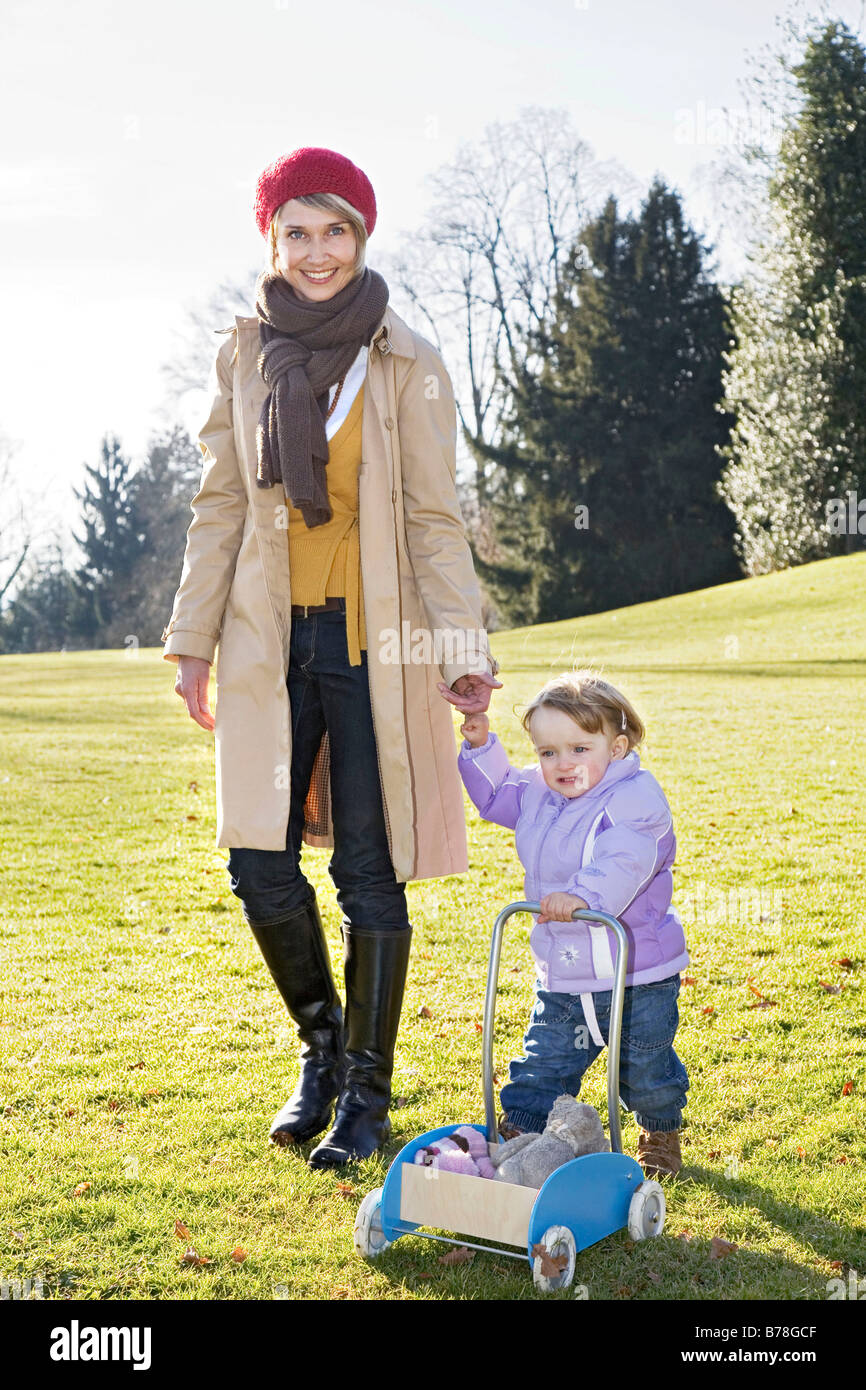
(473, 1206)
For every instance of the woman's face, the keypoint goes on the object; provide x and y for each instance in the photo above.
(315, 252)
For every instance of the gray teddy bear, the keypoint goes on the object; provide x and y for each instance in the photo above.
(572, 1129)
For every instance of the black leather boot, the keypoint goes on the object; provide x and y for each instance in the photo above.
(296, 954)
(376, 964)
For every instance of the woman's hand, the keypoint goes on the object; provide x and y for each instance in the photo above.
(470, 694)
(193, 675)
(558, 907)
(475, 729)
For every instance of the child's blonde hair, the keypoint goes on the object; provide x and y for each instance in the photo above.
(592, 703)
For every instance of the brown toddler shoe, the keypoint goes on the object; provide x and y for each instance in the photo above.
(658, 1152)
(506, 1130)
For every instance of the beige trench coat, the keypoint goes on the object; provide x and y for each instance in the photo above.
(416, 571)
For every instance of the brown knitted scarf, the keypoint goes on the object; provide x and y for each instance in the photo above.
(307, 346)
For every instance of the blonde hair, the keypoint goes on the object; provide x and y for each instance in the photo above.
(326, 202)
(592, 703)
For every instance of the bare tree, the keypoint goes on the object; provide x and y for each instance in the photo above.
(486, 266)
(195, 348)
(15, 530)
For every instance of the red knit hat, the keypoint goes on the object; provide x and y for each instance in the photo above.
(313, 170)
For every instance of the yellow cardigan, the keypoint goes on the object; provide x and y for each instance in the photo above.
(326, 560)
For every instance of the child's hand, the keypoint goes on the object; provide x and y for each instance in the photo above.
(475, 728)
(558, 907)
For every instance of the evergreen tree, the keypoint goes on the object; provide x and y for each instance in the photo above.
(113, 543)
(796, 377)
(601, 489)
(160, 492)
(41, 616)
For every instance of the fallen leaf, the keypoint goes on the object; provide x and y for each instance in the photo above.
(685, 1235)
(239, 1254)
(842, 1159)
(837, 1264)
(801, 1152)
(152, 1092)
(656, 1278)
(720, 1248)
(114, 1105)
(135, 1066)
(714, 1153)
(189, 1257)
(551, 1265)
(80, 1190)
(848, 1088)
(424, 1012)
(67, 1114)
(340, 1293)
(479, 1028)
(191, 817)
(709, 1009)
(831, 989)
(345, 1189)
(844, 963)
(398, 1102)
(765, 1000)
(182, 1232)
(458, 1256)
(688, 979)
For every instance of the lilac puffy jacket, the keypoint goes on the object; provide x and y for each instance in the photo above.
(613, 846)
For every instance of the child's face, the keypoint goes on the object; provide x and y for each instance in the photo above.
(572, 760)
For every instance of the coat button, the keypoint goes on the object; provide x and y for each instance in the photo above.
(389, 422)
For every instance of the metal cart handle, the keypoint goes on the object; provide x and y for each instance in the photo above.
(614, 1031)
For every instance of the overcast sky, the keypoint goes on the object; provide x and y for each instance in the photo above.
(133, 135)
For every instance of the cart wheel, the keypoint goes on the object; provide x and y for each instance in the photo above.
(646, 1211)
(369, 1237)
(557, 1242)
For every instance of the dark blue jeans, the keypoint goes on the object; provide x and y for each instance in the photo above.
(558, 1048)
(325, 692)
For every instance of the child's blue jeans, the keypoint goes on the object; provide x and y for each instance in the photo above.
(559, 1047)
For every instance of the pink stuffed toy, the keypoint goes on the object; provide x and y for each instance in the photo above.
(462, 1151)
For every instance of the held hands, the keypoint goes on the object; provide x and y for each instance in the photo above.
(558, 907)
(475, 729)
(470, 694)
(191, 684)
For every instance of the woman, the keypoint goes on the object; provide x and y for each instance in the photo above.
(327, 525)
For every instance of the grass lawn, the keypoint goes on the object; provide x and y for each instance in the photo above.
(144, 1047)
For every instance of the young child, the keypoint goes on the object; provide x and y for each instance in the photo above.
(593, 830)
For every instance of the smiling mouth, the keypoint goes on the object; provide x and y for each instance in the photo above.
(319, 277)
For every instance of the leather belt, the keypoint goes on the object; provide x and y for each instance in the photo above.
(302, 610)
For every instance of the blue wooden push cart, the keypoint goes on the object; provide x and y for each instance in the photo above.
(579, 1204)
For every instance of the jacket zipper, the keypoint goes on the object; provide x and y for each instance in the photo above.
(543, 839)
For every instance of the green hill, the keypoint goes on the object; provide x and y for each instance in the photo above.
(145, 1049)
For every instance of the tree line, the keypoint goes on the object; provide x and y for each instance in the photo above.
(630, 427)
